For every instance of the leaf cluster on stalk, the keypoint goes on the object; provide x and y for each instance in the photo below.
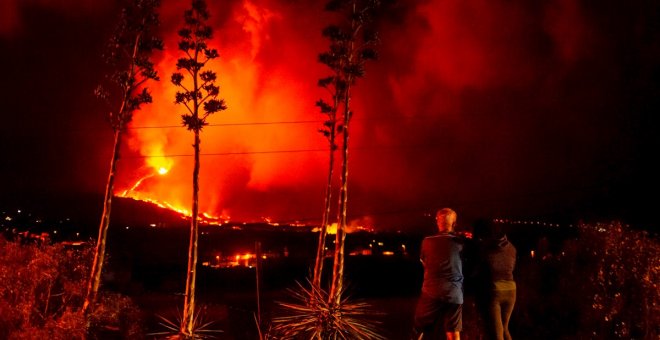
(128, 54)
(351, 46)
(204, 94)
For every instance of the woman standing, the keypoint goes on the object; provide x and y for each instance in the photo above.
(496, 288)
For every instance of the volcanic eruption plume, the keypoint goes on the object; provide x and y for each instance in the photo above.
(447, 69)
(262, 142)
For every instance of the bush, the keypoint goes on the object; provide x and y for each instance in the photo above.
(602, 283)
(116, 314)
(42, 288)
(625, 281)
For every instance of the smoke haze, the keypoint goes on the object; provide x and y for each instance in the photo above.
(497, 108)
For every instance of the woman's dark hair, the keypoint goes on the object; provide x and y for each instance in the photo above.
(487, 229)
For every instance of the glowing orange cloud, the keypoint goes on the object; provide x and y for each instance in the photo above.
(438, 59)
(257, 89)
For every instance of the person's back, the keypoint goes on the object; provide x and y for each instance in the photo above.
(497, 293)
(440, 306)
(500, 260)
(443, 275)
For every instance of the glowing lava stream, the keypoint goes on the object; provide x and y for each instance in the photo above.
(125, 193)
(162, 171)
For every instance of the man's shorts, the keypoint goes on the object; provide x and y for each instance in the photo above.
(436, 315)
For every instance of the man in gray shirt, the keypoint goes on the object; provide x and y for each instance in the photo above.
(440, 305)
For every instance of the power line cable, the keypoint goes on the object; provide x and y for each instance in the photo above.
(227, 124)
(293, 122)
(233, 153)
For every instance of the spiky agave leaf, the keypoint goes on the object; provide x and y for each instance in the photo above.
(263, 335)
(311, 316)
(171, 326)
(201, 328)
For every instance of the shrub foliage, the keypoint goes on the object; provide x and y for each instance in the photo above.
(601, 283)
(42, 289)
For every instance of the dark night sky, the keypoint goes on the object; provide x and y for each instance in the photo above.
(500, 108)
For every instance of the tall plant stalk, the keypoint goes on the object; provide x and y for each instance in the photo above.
(330, 132)
(130, 48)
(351, 45)
(199, 97)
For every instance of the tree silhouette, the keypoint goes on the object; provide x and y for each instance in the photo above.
(199, 96)
(129, 50)
(351, 46)
(329, 130)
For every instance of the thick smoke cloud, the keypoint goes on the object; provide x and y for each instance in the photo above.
(266, 73)
(496, 108)
(483, 105)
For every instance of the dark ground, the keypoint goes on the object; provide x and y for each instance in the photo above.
(228, 297)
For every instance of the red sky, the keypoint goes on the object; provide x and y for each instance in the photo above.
(497, 108)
